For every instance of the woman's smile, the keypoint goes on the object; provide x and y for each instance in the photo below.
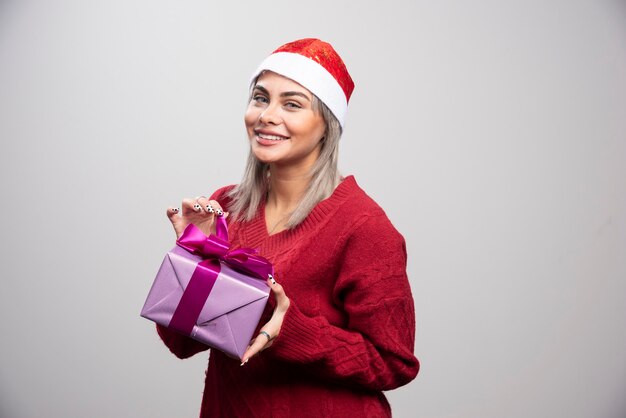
(268, 138)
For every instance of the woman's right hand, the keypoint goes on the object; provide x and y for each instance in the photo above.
(199, 211)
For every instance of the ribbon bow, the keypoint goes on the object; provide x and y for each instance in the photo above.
(245, 260)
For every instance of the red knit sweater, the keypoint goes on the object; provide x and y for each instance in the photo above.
(349, 331)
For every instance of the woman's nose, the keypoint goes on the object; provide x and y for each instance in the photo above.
(269, 116)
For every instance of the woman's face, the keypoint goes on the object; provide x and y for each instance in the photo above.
(283, 126)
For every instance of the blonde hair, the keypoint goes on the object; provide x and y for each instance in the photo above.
(248, 195)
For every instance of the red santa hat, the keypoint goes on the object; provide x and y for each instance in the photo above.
(315, 65)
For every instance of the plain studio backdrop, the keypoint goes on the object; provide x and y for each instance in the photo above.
(493, 133)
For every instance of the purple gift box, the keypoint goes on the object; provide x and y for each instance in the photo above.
(210, 293)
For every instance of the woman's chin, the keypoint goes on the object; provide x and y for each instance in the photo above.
(266, 159)
(266, 155)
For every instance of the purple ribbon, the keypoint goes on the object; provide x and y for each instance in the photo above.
(213, 249)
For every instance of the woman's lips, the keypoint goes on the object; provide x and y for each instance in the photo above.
(269, 139)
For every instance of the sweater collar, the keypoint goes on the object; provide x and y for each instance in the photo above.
(256, 232)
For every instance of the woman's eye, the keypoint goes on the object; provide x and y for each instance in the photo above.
(293, 105)
(259, 99)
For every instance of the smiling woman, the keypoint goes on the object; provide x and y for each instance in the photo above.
(340, 328)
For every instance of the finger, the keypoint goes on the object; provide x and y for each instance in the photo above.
(190, 206)
(172, 212)
(282, 301)
(173, 215)
(177, 221)
(255, 347)
(207, 208)
(265, 347)
(218, 208)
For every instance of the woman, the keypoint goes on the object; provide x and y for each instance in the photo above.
(340, 326)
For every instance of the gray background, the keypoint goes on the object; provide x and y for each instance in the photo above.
(492, 132)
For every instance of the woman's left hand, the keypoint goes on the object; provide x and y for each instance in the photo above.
(271, 329)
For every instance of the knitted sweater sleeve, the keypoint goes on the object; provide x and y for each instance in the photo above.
(375, 349)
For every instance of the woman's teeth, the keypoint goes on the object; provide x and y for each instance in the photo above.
(271, 137)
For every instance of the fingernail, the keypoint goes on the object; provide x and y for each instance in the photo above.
(210, 209)
(175, 210)
(196, 207)
(219, 212)
(244, 362)
(272, 279)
